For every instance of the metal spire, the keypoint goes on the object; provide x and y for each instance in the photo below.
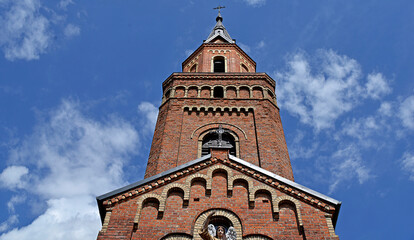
(219, 29)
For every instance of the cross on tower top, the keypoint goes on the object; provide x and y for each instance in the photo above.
(219, 8)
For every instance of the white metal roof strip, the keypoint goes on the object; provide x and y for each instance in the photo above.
(147, 180)
(286, 181)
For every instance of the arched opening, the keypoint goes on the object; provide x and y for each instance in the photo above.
(222, 217)
(244, 68)
(213, 136)
(221, 221)
(193, 68)
(218, 92)
(219, 64)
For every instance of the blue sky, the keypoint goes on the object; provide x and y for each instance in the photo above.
(80, 85)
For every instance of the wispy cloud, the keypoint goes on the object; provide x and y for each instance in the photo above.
(67, 161)
(347, 166)
(406, 112)
(13, 217)
(251, 50)
(25, 32)
(26, 28)
(150, 113)
(255, 3)
(261, 44)
(11, 220)
(71, 30)
(408, 164)
(321, 90)
(14, 177)
(297, 149)
(245, 47)
(377, 85)
(63, 4)
(371, 129)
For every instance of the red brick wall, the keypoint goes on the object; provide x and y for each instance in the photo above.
(175, 137)
(177, 218)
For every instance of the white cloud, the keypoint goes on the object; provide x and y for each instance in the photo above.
(24, 31)
(322, 88)
(377, 85)
(385, 109)
(14, 177)
(319, 91)
(71, 30)
(150, 113)
(408, 164)
(65, 218)
(72, 158)
(255, 3)
(27, 28)
(347, 166)
(407, 112)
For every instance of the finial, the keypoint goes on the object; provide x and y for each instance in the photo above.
(219, 18)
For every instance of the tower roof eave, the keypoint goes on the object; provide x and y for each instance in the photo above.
(218, 35)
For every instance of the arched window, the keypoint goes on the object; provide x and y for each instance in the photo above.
(219, 64)
(194, 68)
(218, 92)
(212, 137)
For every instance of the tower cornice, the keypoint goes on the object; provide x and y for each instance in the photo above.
(220, 76)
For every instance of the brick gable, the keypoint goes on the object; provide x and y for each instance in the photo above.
(261, 205)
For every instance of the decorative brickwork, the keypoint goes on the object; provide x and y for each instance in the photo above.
(271, 191)
(215, 168)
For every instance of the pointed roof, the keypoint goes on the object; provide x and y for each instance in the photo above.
(219, 31)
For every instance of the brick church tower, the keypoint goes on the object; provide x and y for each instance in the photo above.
(218, 146)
